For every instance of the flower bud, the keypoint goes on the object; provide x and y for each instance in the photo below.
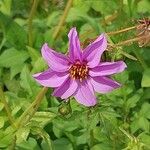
(65, 109)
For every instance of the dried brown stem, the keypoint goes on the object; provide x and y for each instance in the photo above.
(132, 40)
(121, 31)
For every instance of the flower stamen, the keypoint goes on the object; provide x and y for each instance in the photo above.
(79, 71)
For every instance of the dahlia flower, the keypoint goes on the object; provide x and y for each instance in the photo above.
(80, 73)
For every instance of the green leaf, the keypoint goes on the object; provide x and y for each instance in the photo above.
(101, 6)
(34, 54)
(14, 33)
(13, 59)
(27, 82)
(22, 134)
(144, 112)
(102, 146)
(5, 6)
(30, 144)
(144, 124)
(42, 118)
(5, 139)
(39, 65)
(146, 78)
(62, 144)
(143, 6)
(43, 134)
(131, 102)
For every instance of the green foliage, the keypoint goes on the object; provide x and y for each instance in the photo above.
(120, 120)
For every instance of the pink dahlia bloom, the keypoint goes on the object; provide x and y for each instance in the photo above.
(80, 73)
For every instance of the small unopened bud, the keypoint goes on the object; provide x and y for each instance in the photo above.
(64, 109)
(143, 30)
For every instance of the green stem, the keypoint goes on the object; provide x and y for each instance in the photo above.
(31, 110)
(32, 12)
(7, 109)
(62, 19)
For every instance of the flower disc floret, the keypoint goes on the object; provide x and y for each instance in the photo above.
(79, 71)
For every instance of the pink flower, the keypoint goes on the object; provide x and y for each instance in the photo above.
(80, 74)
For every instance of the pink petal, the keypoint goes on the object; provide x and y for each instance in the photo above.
(50, 78)
(108, 68)
(84, 95)
(56, 61)
(104, 84)
(93, 52)
(74, 45)
(67, 89)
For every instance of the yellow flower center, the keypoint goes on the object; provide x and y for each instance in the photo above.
(79, 71)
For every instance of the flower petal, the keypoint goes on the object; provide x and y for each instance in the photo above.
(50, 78)
(67, 89)
(56, 61)
(84, 95)
(74, 46)
(104, 84)
(93, 52)
(108, 68)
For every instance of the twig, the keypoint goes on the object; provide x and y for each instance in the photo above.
(32, 12)
(62, 20)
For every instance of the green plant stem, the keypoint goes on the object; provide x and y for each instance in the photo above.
(62, 19)
(7, 109)
(31, 110)
(32, 12)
